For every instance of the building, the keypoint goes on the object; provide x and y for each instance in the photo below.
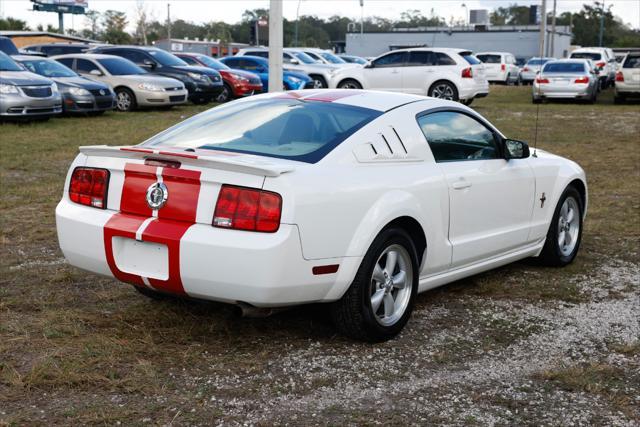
(26, 38)
(206, 47)
(522, 40)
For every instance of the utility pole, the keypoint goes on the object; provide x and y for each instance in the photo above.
(601, 35)
(543, 26)
(275, 46)
(361, 17)
(61, 23)
(169, 22)
(553, 30)
(295, 41)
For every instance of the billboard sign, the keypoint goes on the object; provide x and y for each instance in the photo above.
(63, 6)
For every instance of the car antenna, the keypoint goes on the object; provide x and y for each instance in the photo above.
(543, 30)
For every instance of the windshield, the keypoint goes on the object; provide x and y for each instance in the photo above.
(117, 66)
(586, 55)
(213, 63)
(538, 61)
(48, 68)
(332, 58)
(354, 59)
(304, 57)
(632, 61)
(166, 59)
(490, 59)
(314, 56)
(283, 128)
(564, 67)
(7, 64)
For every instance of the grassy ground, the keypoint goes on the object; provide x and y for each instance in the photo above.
(520, 345)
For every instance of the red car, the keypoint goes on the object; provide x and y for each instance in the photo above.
(237, 83)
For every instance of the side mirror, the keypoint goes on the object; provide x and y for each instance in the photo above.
(514, 149)
(95, 72)
(149, 64)
(294, 61)
(369, 65)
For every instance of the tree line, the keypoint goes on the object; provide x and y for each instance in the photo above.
(110, 26)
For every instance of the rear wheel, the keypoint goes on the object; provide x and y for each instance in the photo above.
(467, 101)
(319, 82)
(349, 84)
(444, 90)
(379, 302)
(226, 94)
(565, 232)
(125, 99)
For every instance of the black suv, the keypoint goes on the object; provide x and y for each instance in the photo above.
(204, 84)
(54, 49)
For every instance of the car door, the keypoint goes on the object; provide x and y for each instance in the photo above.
(490, 199)
(84, 67)
(384, 73)
(418, 72)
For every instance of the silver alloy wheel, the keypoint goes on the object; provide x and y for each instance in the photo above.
(349, 85)
(391, 285)
(442, 91)
(224, 95)
(123, 101)
(317, 84)
(568, 226)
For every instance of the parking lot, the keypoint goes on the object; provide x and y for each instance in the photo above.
(521, 345)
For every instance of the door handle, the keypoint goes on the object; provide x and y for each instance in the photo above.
(461, 184)
(394, 72)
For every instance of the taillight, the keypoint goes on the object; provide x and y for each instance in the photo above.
(584, 79)
(467, 73)
(242, 208)
(89, 187)
(525, 69)
(503, 67)
(619, 76)
(541, 80)
(601, 64)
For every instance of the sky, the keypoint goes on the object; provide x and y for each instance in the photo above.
(230, 11)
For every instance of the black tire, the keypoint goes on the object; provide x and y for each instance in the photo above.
(536, 100)
(318, 81)
(353, 314)
(125, 100)
(226, 94)
(467, 102)
(444, 90)
(551, 254)
(201, 100)
(154, 295)
(618, 99)
(507, 81)
(349, 84)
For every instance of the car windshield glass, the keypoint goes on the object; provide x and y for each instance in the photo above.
(213, 63)
(586, 55)
(489, 59)
(632, 62)
(166, 59)
(48, 68)
(117, 66)
(332, 58)
(304, 57)
(7, 64)
(537, 61)
(284, 128)
(564, 67)
(472, 60)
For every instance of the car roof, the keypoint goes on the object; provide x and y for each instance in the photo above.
(258, 58)
(61, 44)
(84, 56)
(29, 57)
(371, 99)
(493, 53)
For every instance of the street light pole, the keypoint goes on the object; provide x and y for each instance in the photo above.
(275, 46)
(466, 15)
(601, 35)
(295, 42)
(361, 17)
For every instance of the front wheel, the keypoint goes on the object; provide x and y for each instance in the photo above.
(467, 102)
(444, 90)
(226, 94)
(349, 84)
(319, 82)
(125, 100)
(565, 232)
(379, 302)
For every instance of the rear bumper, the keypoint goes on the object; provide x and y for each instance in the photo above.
(470, 88)
(568, 92)
(628, 88)
(261, 269)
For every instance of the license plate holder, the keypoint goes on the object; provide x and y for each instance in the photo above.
(145, 259)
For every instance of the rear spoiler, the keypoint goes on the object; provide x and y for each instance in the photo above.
(234, 162)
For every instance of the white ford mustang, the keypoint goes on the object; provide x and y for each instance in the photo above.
(356, 198)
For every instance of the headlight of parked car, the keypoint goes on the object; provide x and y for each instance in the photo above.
(78, 91)
(240, 78)
(197, 76)
(295, 80)
(150, 87)
(7, 89)
(54, 88)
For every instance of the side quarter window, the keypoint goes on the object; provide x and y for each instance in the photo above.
(66, 61)
(396, 59)
(454, 136)
(84, 66)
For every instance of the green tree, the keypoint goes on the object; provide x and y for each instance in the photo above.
(115, 23)
(12, 24)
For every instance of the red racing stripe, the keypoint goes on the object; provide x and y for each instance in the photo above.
(137, 179)
(122, 225)
(184, 188)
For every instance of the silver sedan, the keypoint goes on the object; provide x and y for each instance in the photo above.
(566, 79)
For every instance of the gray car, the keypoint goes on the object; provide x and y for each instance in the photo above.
(531, 68)
(79, 94)
(566, 79)
(24, 94)
(134, 87)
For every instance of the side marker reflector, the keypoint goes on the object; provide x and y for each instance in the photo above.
(325, 269)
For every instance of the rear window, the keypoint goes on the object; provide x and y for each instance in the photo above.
(468, 56)
(538, 61)
(490, 59)
(564, 67)
(632, 62)
(586, 55)
(284, 128)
